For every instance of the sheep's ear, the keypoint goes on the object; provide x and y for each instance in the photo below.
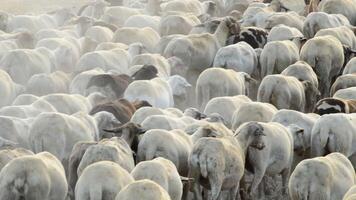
(141, 130)
(248, 78)
(307, 84)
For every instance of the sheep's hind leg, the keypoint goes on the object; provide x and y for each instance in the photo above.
(285, 179)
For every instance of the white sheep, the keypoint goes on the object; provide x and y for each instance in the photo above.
(143, 189)
(252, 111)
(39, 176)
(286, 92)
(225, 106)
(327, 177)
(278, 55)
(163, 172)
(325, 54)
(240, 57)
(229, 83)
(102, 179)
(158, 92)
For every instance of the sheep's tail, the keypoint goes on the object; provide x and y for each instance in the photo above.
(95, 192)
(267, 65)
(265, 93)
(20, 186)
(203, 165)
(320, 139)
(37, 145)
(146, 153)
(203, 95)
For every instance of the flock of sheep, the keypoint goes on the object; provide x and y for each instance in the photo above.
(179, 99)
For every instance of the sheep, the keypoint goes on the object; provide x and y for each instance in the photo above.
(39, 176)
(256, 15)
(141, 114)
(161, 63)
(327, 137)
(230, 83)
(335, 105)
(174, 145)
(316, 21)
(163, 172)
(344, 7)
(30, 110)
(254, 36)
(158, 92)
(283, 32)
(325, 55)
(343, 82)
(115, 59)
(327, 177)
(226, 106)
(57, 133)
(287, 92)
(204, 53)
(252, 111)
(240, 57)
(101, 180)
(276, 56)
(116, 150)
(187, 6)
(350, 67)
(176, 151)
(145, 189)
(7, 155)
(68, 103)
(343, 33)
(25, 99)
(141, 21)
(43, 84)
(98, 121)
(177, 24)
(110, 85)
(75, 157)
(65, 51)
(302, 120)
(348, 93)
(218, 163)
(265, 161)
(99, 34)
(291, 19)
(128, 35)
(220, 169)
(21, 64)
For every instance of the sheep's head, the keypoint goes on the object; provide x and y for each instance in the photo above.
(348, 53)
(312, 93)
(194, 113)
(250, 134)
(216, 117)
(178, 85)
(128, 130)
(232, 24)
(298, 138)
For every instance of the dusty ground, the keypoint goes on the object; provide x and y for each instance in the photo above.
(37, 6)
